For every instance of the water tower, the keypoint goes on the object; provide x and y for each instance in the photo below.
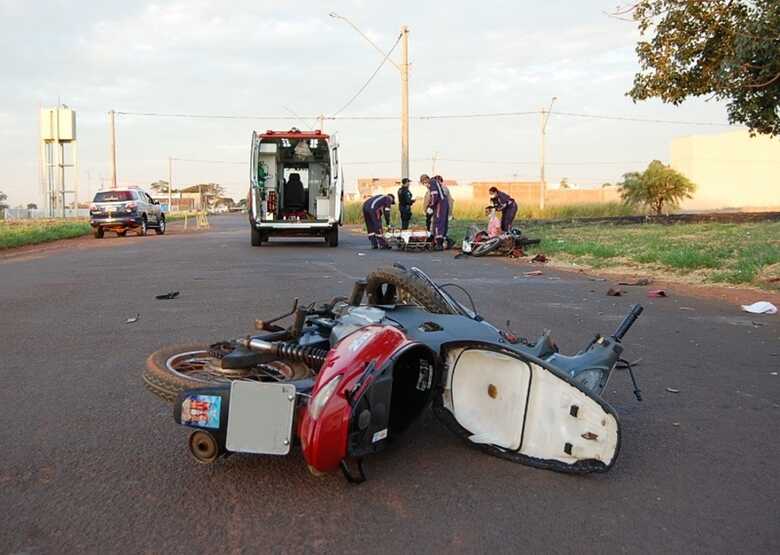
(58, 130)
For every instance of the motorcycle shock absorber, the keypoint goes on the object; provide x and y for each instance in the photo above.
(312, 356)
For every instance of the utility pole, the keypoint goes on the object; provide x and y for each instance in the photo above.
(542, 182)
(112, 122)
(404, 102)
(433, 163)
(403, 68)
(170, 184)
(321, 121)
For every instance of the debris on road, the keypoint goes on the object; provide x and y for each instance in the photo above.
(687, 308)
(637, 282)
(167, 296)
(657, 293)
(133, 320)
(614, 292)
(760, 307)
(672, 390)
(540, 258)
(533, 273)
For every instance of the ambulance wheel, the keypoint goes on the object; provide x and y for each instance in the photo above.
(332, 237)
(257, 237)
(391, 285)
(204, 447)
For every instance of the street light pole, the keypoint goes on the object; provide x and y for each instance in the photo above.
(543, 183)
(405, 102)
(112, 120)
(403, 68)
(170, 184)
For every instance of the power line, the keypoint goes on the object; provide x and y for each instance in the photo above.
(206, 161)
(371, 78)
(420, 117)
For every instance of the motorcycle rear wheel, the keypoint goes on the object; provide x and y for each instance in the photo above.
(175, 368)
(391, 285)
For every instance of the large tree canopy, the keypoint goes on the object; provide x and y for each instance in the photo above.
(726, 49)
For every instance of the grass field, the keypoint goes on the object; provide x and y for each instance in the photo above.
(31, 232)
(747, 253)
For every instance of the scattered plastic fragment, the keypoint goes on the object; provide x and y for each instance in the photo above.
(614, 292)
(540, 258)
(657, 293)
(760, 307)
(672, 390)
(773, 373)
(534, 273)
(133, 320)
(638, 282)
(361, 254)
(167, 296)
(676, 424)
(687, 308)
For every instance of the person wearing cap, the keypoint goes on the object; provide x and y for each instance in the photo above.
(438, 208)
(373, 209)
(506, 205)
(405, 201)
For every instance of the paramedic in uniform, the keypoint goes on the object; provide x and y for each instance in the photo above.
(506, 205)
(373, 209)
(450, 202)
(438, 208)
(405, 202)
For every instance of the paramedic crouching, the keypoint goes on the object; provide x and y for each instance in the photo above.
(373, 209)
(506, 205)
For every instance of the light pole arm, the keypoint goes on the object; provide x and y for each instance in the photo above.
(368, 40)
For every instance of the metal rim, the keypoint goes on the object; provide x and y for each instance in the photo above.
(162, 224)
(203, 366)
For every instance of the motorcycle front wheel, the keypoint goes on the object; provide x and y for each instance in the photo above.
(176, 368)
(486, 247)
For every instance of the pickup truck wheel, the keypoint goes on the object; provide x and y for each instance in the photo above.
(98, 233)
(160, 230)
(121, 233)
(175, 368)
(257, 237)
(141, 231)
(396, 286)
(332, 237)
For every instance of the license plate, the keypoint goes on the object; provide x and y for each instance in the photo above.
(260, 418)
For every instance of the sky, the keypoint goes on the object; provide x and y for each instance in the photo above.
(262, 58)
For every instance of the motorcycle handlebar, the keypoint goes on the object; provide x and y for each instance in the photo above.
(628, 321)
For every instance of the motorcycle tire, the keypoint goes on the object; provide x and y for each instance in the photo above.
(486, 247)
(390, 285)
(166, 383)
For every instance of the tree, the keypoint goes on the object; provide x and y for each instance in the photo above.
(565, 183)
(658, 186)
(32, 206)
(724, 49)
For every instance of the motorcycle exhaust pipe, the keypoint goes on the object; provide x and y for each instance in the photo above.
(310, 355)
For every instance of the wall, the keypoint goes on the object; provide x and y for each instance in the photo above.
(526, 193)
(731, 170)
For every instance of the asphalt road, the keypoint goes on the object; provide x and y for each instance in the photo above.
(91, 462)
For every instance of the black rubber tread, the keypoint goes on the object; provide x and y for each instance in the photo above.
(257, 237)
(407, 285)
(141, 230)
(486, 247)
(121, 233)
(98, 233)
(162, 382)
(332, 237)
(161, 226)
